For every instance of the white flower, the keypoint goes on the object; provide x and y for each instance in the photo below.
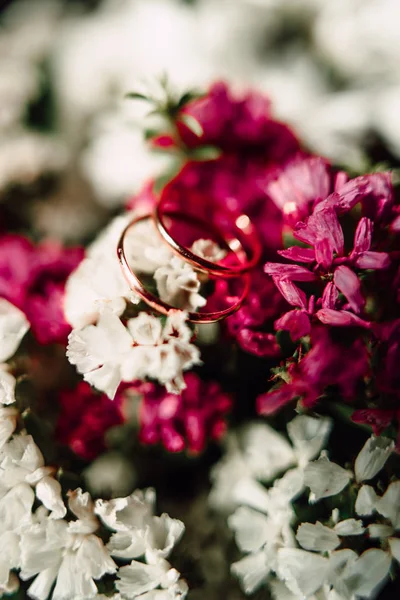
(325, 478)
(161, 353)
(138, 580)
(144, 249)
(98, 351)
(257, 452)
(108, 353)
(67, 554)
(137, 531)
(317, 537)
(178, 284)
(372, 457)
(366, 501)
(15, 514)
(363, 575)
(13, 327)
(22, 461)
(208, 249)
(303, 572)
(97, 284)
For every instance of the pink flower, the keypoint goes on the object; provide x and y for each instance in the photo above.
(379, 419)
(329, 362)
(182, 421)
(33, 278)
(237, 124)
(333, 272)
(84, 418)
(298, 185)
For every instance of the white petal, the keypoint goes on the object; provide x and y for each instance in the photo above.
(42, 584)
(252, 529)
(145, 329)
(48, 491)
(303, 572)
(286, 489)
(251, 492)
(162, 534)
(93, 558)
(265, 451)
(389, 504)
(394, 544)
(378, 530)
(372, 457)
(325, 478)
(363, 576)
(7, 427)
(7, 387)
(13, 327)
(366, 501)
(309, 435)
(252, 571)
(72, 581)
(124, 514)
(349, 527)
(127, 544)
(280, 591)
(138, 578)
(317, 537)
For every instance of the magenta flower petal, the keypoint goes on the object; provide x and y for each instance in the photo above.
(291, 272)
(292, 294)
(258, 343)
(373, 260)
(271, 402)
(297, 322)
(330, 296)
(301, 183)
(340, 318)
(323, 231)
(363, 236)
(348, 283)
(378, 419)
(299, 254)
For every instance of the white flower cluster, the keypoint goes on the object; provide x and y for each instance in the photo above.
(106, 351)
(322, 568)
(65, 557)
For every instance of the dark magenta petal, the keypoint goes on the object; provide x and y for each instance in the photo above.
(348, 283)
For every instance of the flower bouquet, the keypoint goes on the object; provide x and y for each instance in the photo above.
(225, 350)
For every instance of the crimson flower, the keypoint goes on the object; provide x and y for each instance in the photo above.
(182, 421)
(33, 279)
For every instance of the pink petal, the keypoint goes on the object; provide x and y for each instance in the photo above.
(340, 179)
(348, 283)
(298, 254)
(258, 343)
(340, 318)
(330, 296)
(323, 231)
(395, 225)
(297, 322)
(269, 403)
(373, 260)
(292, 272)
(292, 294)
(363, 235)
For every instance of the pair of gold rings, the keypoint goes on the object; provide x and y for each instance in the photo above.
(242, 242)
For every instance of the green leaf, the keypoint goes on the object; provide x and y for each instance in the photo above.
(205, 153)
(137, 96)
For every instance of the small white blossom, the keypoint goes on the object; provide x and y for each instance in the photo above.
(144, 248)
(178, 284)
(108, 353)
(364, 575)
(13, 327)
(372, 457)
(325, 478)
(138, 581)
(21, 461)
(137, 531)
(67, 554)
(208, 249)
(252, 571)
(389, 504)
(303, 572)
(97, 284)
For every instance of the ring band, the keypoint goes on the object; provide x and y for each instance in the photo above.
(242, 224)
(159, 305)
